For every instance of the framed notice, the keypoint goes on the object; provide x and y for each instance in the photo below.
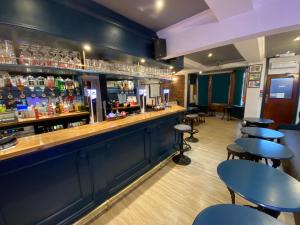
(254, 76)
(253, 84)
(255, 68)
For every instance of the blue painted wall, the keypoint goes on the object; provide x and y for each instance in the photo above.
(220, 88)
(203, 90)
(238, 87)
(79, 20)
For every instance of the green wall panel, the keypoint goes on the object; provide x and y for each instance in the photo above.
(220, 88)
(238, 88)
(203, 90)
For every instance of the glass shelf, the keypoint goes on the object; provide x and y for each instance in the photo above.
(16, 68)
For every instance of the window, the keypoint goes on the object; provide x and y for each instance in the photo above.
(281, 88)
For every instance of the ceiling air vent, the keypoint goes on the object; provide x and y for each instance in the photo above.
(284, 65)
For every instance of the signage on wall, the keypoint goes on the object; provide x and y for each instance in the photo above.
(254, 76)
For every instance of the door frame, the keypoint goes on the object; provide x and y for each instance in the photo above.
(265, 92)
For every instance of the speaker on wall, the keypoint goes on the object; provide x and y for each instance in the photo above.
(160, 48)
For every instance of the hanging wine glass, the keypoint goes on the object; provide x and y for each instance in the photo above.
(10, 53)
(60, 84)
(25, 55)
(8, 85)
(51, 84)
(70, 86)
(36, 55)
(41, 84)
(55, 57)
(20, 83)
(46, 56)
(31, 85)
(76, 60)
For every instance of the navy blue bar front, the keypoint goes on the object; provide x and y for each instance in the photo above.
(61, 184)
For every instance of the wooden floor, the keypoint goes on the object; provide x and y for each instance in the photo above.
(176, 194)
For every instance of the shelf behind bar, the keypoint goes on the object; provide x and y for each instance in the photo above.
(31, 121)
(65, 71)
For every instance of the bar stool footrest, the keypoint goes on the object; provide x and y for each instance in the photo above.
(181, 159)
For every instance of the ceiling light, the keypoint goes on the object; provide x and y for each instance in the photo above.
(143, 60)
(171, 67)
(159, 4)
(200, 72)
(297, 38)
(210, 54)
(173, 72)
(174, 78)
(87, 47)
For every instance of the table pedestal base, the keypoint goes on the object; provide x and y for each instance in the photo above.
(270, 212)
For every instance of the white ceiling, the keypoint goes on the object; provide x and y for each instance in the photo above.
(149, 14)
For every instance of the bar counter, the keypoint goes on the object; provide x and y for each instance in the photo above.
(44, 141)
(58, 177)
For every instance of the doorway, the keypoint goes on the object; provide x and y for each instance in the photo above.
(280, 102)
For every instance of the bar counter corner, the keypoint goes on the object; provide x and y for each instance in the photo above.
(57, 177)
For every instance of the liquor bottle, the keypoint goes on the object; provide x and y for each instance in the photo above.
(41, 84)
(60, 84)
(51, 85)
(20, 83)
(31, 85)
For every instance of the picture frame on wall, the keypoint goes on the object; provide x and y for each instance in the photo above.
(253, 84)
(255, 76)
(255, 68)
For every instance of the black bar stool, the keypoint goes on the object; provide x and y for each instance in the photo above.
(235, 150)
(227, 111)
(191, 119)
(202, 117)
(181, 145)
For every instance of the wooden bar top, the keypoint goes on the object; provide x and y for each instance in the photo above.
(44, 141)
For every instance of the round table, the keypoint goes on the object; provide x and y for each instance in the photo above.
(259, 122)
(226, 214)
(265, 149)
(271, 189)
(263, 133)
(191, 118)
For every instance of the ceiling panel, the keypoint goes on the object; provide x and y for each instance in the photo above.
(147, 13)
(221, 55)
(281, 43)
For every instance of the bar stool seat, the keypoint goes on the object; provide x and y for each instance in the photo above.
(182, 128)
(235, 150)
(191, 119)
(181, 145)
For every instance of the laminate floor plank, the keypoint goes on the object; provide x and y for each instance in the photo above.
(176, 194)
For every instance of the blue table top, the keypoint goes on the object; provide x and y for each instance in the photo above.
(261, 184)
(225, 214)
(264, 148)
(258, 120)
(262, 132)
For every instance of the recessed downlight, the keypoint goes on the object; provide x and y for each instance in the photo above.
(209, 55)
(297, 38)
(87, 47)
(200, 72)
(159, 5)
(173, 72)
(171, 67)
(143, 60)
